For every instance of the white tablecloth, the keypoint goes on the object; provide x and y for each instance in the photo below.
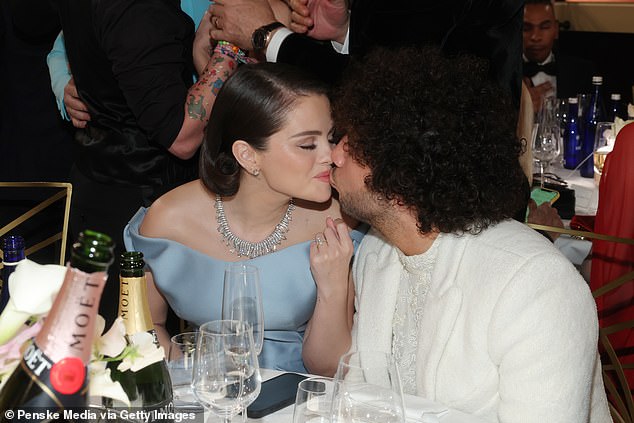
(285, 415)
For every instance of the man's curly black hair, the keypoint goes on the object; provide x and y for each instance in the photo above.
(437, 135)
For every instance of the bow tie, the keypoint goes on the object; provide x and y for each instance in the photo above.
(532, 68)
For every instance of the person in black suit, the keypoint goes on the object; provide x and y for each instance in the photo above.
(491, 30)
(564, 77)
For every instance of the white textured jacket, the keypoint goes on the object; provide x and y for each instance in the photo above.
(509, 330)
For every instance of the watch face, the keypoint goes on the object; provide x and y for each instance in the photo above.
(259, 39)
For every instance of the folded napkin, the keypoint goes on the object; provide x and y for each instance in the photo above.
(421, 410)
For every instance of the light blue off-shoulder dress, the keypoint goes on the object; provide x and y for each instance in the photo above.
(192, 283)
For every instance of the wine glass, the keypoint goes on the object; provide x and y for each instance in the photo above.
(546, 146)
(367, 389)
(226, 376)
(603, 144)
(242, 299)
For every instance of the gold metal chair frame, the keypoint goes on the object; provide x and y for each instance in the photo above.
(614, 379)
(66, 190)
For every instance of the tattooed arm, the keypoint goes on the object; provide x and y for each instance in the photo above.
(200, 99)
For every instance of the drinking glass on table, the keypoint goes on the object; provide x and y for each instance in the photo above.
(367, 389)
(180, 362)
(242, 299)
(313, 403)
(603, 144)
(546, 147)
(226, 375)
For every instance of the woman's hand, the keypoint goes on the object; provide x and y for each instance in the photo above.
(330, 256)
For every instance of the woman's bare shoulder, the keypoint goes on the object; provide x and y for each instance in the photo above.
(174, 210)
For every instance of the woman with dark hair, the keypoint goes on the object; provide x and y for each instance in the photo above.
(264, 193)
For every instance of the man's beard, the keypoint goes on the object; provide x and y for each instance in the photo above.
(365, 206)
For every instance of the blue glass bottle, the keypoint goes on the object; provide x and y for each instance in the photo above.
(595, 113)
(616, 108)
(572, 135)
(12, 253)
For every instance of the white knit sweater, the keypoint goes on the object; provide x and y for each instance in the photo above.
(509, 331)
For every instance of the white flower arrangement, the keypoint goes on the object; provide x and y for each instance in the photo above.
(33, 288)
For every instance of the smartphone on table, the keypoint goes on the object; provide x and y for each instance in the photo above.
(275, 394)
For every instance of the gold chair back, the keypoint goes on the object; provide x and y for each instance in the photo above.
(614, 378)
(61, 191)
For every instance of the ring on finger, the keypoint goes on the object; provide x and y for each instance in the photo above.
(319, 239)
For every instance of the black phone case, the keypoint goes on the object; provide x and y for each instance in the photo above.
(275, 394)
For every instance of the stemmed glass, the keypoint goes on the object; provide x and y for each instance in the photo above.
(242, 299)
(603, 144)
(367, 389)
(226, 376)
(547, 137)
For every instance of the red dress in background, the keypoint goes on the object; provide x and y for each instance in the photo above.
(610, 260)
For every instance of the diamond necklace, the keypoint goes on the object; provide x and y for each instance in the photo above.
(248, 248)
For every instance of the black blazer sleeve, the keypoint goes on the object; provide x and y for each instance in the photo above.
(314, 56)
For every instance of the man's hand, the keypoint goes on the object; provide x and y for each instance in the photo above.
(546, 215)
(235, 20)
(538, 92)
(76, 108)
(320, 19)
(282, 11)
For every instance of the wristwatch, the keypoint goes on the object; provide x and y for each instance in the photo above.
(261, 37)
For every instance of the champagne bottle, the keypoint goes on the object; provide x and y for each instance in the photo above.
(52, 375)
(149, 388)
(12, 254)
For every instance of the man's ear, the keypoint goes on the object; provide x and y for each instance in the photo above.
(556, 29)
(246, 156)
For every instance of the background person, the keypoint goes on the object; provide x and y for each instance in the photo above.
(481, 313)
(265, 161)
(132, 64)
(491, 30)
(546, 72)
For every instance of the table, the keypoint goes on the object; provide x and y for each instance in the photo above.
(586, 202)
(586, 190)
(285, 415)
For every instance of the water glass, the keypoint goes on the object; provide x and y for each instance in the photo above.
(180, 362)
(367, 389)
(313, 403)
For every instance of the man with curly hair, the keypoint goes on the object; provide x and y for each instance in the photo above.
(480, 312)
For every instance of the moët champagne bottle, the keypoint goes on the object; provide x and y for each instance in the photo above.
(52, 374)
(149, 388)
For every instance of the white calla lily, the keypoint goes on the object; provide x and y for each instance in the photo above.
(111, 343)
(102, 385)
(142, 352)
(33, 288)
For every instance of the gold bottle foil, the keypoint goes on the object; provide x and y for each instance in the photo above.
(133, 305)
